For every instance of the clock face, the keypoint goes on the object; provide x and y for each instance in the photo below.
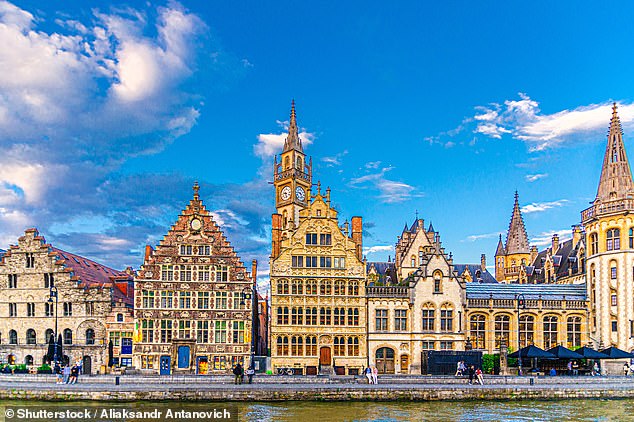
(299, 193)
(286, 193)
(195, 224)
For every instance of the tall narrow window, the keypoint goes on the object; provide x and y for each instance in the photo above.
(400, 320)
(574, 331)
(30, 309)
(446, 318)
(30, 336)
(428, 315)
(594, 244)
(202, 332)
(631, 238)
(613, 240)
(30, 260)
(550, 331)
(48, 280)
(166, 330)
(380, 320)
(437, 282)
(13, 281)
(527, 329)
(68, 336)
(68, 309)
(502, 330)
(90, 336)
(477, 331)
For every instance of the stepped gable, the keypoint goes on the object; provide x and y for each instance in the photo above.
(182, 233)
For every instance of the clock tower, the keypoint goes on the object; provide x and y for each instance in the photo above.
(292, 178)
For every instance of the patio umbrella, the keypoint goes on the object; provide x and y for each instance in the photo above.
(110, 354)
(614, 353)
(589, 353)
(532, 352)
(50, 353)
(562, 353)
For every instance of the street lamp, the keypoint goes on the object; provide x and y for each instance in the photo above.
(521, 304)
(247, 294)
(53, 294)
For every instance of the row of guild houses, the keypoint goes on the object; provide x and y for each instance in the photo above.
(193, 306)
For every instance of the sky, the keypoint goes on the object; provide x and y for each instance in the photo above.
(109, 111)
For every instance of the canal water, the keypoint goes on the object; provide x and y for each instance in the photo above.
(489, 411)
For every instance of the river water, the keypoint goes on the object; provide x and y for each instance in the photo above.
(566, 410)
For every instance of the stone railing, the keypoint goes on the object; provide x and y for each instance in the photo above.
(607, 208)
(292, 172)
(530, 304)
(387, 291)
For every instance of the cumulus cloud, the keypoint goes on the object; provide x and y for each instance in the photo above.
(79, 101)
(476, 237)
(335, 160)
(543, 206)
(545, 238)
(377, 248)
(270, 144)
(522, 119)
(389, 191)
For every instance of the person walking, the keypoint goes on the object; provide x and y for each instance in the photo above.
(459, 369)
(368, 374)
(471, 373)
(595, 369)
(375, 375)
(626, 369)
(66, 373)
(569, 367)
(479, 376)
(575, 368)
(250, 372)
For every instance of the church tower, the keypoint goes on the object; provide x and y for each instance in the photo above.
(512, 258)
(609, 227)
(292, 177)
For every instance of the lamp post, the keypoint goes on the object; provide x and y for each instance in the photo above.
(249, 293)
(521, 304)
(53, 294)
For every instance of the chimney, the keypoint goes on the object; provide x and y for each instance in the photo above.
(555, 243)
(357, 235)
(483, 262)
(533, 256)
(148, 252)
(276, 235)
(254, 274)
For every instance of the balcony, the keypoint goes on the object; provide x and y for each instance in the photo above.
(388, 291)
(292, 173)
(606, 208)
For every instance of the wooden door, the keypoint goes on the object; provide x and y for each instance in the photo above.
(324, 356)
(404, 364)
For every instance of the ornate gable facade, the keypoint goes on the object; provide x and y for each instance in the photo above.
(193, 302)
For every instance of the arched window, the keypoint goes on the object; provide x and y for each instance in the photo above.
(47, 334)
(353, 346)
(13, 337)
(413, 261)
(477, 332)
(297, 316)
(287, 162)
(502, 330)
(613, 240)
(428, 317)
(353, 288)
(28, 360)
(282, 287)
(594, 244)
(68, 336)
(446, 317)
(31, 338)
(298, 163)
(550, 331)
(119, 317)
(437, 282)
(90, 336)
(297, 287)
(613, 270)
(574, 331)
(311, 287)
(340, 288)
(527, 330)
(631, 237)
(282, 346)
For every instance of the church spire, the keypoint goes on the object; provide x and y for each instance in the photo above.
(616, 176)
(292, 139)
(516, 239)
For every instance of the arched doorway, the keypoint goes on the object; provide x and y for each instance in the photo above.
(404, 364)
(385, 360)
(86, 365)
(28, 360)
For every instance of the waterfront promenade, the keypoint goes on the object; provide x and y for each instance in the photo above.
(275, 388)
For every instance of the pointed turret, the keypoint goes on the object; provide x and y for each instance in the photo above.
(616, 176)
(430, 229)
(517, 239)
(292, 139)
(500, 249)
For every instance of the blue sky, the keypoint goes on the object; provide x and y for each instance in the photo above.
(109, 112)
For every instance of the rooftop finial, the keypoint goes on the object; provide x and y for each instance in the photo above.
(318, 187)
(614, 107)
(416, 215)
(292, 139)
(196, 189)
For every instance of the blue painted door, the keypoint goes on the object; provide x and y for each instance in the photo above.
(126, 346)
(165, 365)
(183, 357)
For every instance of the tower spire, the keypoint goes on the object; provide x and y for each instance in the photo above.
(292, 139)
(517, 239)
(616, 176)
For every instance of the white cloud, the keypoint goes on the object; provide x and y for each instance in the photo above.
(390, 191)
(543, 206)
(523, 119)
(377, 248)
(476, 237)
(334, 161)
(270, 144)
(545, 238)
(535, 177)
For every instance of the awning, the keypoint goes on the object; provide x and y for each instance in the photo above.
(532, 352)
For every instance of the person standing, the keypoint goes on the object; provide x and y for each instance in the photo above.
(368, 374)
(595, 369)
(575, 368)
(58, 373)
(237, 372)
(626, 369)
(250, 372)
(471, 373)
(66, 373)
(375, 375)
(569, 367)
(479, 376)
(74, 373)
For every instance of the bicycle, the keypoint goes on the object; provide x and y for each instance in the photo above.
(285, 371)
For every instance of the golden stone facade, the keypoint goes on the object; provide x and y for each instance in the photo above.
(193, 300)
(30, 274)
(318, 298)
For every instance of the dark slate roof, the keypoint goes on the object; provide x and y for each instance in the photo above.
(2, 252)
(530, 291)
(565, 258)
(384, 269)
(477, 273)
